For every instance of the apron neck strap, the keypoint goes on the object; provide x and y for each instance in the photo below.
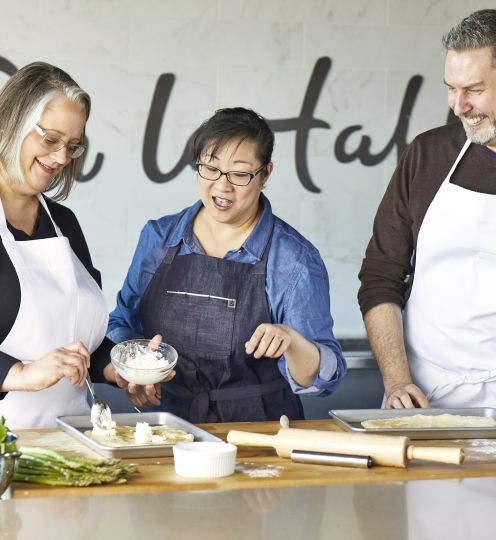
(458, 159)
(45, 206)
(258, 268)
(6, 233)
(171, 253)
(4, 230)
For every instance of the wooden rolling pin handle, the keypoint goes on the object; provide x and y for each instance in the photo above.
(432, 453)
(244, 438)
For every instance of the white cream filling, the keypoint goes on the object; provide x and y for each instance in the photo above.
(146, 360)
(101, 419)
(143, 432)
(107, 430)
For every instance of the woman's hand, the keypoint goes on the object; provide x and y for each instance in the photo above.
(269, 340)
(140, 395)
(273, 340)
(71, 361)
(143, 396)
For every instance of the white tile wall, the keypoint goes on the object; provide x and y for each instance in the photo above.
(256, 53)
(358, 12)
(436, 13)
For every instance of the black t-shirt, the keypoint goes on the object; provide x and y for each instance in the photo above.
(9, 282)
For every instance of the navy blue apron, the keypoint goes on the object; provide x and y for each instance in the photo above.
(208, 308)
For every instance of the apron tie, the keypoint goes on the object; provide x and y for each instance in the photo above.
(200, 401)
(479, 377)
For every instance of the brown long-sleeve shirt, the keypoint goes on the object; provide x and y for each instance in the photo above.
(388, 267)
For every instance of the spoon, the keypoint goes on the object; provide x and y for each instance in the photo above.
(101, 415)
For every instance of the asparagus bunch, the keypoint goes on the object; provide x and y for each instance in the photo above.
(43, 466)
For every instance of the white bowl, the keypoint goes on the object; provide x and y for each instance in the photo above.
(204, 459)
(132, 350)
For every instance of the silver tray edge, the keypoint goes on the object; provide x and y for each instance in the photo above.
(73, 425)
(346, 417)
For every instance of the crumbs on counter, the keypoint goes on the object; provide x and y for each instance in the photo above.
(255, 471)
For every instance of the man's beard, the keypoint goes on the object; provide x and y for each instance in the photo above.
(480, 136)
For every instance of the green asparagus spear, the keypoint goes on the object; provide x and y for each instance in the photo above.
(43, 466)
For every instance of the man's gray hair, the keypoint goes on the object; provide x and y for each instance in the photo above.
(474, 32)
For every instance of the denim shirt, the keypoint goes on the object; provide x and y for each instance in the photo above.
(297, 285)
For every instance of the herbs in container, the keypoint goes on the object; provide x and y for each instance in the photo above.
(135, 362)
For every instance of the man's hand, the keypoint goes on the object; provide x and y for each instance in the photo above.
(384, 324)
(406, 396)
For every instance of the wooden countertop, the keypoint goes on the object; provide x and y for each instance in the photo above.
(254, 465)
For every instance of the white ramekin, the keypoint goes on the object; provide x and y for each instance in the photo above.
(204, 459)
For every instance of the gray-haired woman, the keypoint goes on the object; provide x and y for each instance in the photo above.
(53, 314)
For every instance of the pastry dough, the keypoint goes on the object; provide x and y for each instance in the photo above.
(124, 436)
(430, 421)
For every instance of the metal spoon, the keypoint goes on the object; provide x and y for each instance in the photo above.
(101, 415)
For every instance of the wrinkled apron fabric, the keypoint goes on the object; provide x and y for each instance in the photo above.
(450, 317)
(60, 304)
(207, 308)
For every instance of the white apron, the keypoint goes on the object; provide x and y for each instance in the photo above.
(450, 317)
(60, 304)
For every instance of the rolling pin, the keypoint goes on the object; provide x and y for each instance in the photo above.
(394, 451)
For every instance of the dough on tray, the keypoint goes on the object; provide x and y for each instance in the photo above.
(125, 436)
(429, 421)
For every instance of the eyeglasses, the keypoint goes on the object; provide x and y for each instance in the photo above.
(237, 178)
(53, 143)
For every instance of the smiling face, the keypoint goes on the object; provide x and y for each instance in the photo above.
(64, 118)
(470, 76)
(225, 203)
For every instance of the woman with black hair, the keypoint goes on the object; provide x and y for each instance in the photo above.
(241, 295)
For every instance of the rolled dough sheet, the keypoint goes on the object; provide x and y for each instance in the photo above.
(430, 421)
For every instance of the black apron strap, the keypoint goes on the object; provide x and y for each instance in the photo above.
(200, 401)
(232, 392)
(247, 391)
(171, 253)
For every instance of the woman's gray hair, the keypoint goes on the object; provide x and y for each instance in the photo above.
(23, 100)
(474, 32)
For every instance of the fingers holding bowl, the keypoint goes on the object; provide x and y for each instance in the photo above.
(144, 362)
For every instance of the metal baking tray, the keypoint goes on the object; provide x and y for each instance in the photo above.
(350, 420)
(77, 425)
